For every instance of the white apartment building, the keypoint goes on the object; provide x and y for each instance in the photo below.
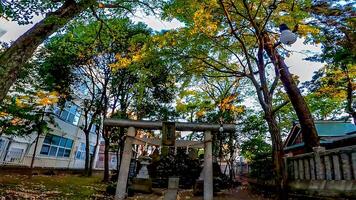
(62, 147)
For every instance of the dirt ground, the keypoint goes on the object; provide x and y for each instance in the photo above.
(239, 193)
(73, 187)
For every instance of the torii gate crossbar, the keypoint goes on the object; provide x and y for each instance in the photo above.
(157, 125)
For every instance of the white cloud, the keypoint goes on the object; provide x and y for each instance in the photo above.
(303, 68)
(14, 30)
(156, 23)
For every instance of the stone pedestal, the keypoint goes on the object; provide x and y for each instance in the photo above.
(142, 182)
(141, 185)
(173, 183)
(172, 191)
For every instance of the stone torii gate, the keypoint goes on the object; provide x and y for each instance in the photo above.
(132, 125)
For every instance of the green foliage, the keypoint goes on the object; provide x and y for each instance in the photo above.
(335, 82)
(180, 165)
(261, 166)
(118, 50)
(253, 139)
(25, 109)
(254, 147)
(15, 120)
(24, 11)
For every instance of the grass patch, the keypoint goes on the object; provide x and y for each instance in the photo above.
(52, 187)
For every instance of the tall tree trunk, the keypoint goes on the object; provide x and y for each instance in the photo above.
(15, 57)
(92, 158)
(310, 136)
(106, 158)
(87, 152)
(277, 155)
(34, 154)
(39, 132)
(349, 102)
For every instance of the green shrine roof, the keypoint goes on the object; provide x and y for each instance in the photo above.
(328, 131)
(334, 128)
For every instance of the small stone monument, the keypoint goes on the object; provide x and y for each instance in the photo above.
(168, 138)
(172, 191)
(142, 182)
(144, 161)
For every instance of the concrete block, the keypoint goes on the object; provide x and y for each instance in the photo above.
(312, 169)
(328, 168)
(173, 183)
(306, 169)
(346, 166)
(301, 169)
(171, 194)
(295, 167)
(141, 185)
(336, 164)
(353, 161)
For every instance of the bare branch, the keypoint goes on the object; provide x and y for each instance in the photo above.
(277, 108)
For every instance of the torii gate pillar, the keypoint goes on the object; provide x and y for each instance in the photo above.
(208, 166)
(125, 165)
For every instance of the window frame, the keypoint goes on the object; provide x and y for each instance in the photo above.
(70, 116)
(80, 153)
(53, 148)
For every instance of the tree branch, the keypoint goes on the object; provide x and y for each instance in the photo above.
(280, 106)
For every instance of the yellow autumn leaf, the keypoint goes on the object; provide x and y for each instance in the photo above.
(204, 22)
(44, 101)
(19, 103)
(3, 114)
(136, 57)
(121, 63)
(237, 109)
(47, 98)
(306, 29)
(200, 113)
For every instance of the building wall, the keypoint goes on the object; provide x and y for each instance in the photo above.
(100, 159)
(14, 145)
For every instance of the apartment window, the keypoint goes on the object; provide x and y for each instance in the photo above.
(81, 151)
(2, 142)
(70, 113)
(83, 89)
(56, 146)
(14, 155)
(93, 128)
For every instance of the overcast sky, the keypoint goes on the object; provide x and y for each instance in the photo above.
(304, 69)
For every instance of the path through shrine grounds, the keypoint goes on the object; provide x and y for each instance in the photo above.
(239, 193)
